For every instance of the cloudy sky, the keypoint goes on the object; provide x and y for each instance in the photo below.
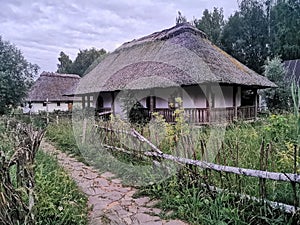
(41, 29)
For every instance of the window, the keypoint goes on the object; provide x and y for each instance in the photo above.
(44, 104)
(58, 104)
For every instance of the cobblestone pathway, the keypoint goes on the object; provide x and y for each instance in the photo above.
(111, 202)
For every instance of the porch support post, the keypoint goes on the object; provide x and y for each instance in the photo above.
(255, 103)
(88, 101)
(112, 102)
(208, 101)
(83, 101)
(151, 103)
(235, 89)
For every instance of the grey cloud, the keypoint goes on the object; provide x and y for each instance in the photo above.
(41, 29)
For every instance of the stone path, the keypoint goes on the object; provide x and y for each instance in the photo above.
(110, 202)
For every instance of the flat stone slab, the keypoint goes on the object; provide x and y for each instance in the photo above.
(111, 203)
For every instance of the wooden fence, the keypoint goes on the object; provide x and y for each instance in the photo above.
(138, 145)
(17, 175)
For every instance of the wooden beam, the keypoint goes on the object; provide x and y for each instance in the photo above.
(112, 102)
(235, 90)
(256, 102)
(208, 101)
(83, 102)
(88, 101)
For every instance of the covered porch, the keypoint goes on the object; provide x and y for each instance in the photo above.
(200, 116)
(202, 105)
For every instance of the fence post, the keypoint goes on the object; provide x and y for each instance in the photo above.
(263, 160)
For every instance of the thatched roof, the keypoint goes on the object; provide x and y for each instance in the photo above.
(181, 55)
(52, 86)
(293, 70)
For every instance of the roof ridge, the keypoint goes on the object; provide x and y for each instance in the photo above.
(165, 34)
(54, 74)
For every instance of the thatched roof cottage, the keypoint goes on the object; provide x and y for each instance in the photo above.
(47, 93)
(176, 62)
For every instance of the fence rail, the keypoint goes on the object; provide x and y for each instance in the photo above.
(151, 151)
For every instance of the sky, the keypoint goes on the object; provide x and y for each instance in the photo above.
(42, 29)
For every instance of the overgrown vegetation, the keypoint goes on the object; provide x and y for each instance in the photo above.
(58, 199)
(186, 198)
(186, 193)
(34, 189)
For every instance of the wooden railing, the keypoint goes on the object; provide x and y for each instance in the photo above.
(102, 110)
(167, 113)
(104, 113)
(246, 112)
(214, 115)
(198, 115)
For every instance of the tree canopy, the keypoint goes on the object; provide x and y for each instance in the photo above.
(245, 35)
(16, 76)
(82, 64)
(285, 29)
(212, 24)
(257, 30)
(280, 97)
(65, 63)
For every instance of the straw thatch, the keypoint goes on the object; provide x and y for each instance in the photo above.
(52, 86)
(181, 55)
(293, 70)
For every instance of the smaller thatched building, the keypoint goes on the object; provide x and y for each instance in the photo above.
(47, 93)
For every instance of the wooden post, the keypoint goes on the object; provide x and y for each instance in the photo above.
(83, 102)
(256, 103)
(235, 90)
(112, 103)
(88, 101)
(47, 111)
(208, 101)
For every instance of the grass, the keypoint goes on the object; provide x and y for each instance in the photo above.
(187, 198)
(193, 203)
(58, 199)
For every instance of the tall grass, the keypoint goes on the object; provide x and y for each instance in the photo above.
(58, 199)
(190, 201)
(184, 194)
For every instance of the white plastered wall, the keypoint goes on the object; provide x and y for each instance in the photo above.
(38, 107)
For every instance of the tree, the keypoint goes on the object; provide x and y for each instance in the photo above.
(279, 98)
(212, 24)
(285, 29)
(16, 76)
(83, 63)
(65, 63)
(84, 59)
(245, 35)
(180, 18)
